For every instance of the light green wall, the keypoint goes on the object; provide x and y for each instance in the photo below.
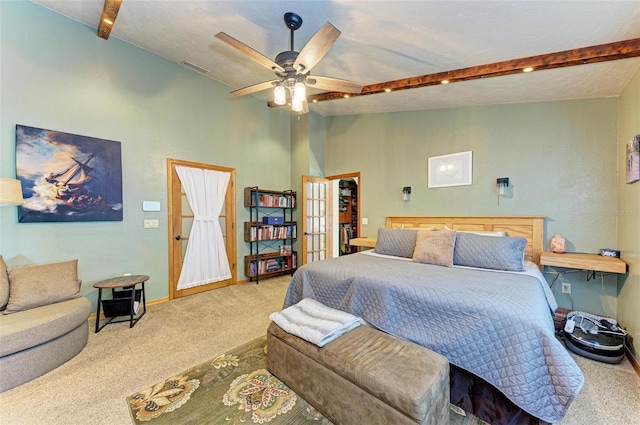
(307, 146)
(300, 152)
(560, 158)
(628, 213)
(57, 74)
(317, 141)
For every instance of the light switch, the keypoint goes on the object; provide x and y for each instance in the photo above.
(150, 206)
(151, 224)
(365, 220)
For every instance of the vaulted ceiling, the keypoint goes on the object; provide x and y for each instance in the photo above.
(385, 41)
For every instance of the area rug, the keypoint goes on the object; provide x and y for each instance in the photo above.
(233, 388)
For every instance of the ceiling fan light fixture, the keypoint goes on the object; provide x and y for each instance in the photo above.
(296, 105)
(279, 95)
(299, 92)
(292, 67)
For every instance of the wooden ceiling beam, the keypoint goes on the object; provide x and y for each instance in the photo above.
(108, 17)
(586, 55)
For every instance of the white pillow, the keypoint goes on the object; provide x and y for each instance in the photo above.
(497, 233)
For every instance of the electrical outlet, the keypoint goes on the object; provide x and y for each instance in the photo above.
(566, 288)
(150, 224)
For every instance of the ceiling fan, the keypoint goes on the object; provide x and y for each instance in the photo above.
(292, 68)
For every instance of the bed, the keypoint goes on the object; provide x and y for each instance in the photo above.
(494, 326)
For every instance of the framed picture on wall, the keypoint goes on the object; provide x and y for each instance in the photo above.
(451, 170)
(633, 159)
(66, 177)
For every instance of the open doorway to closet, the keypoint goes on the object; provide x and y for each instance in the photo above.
(346, 212)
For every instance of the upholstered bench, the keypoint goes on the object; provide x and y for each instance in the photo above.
(363, 377)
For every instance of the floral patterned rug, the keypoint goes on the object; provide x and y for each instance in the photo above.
(233, 388)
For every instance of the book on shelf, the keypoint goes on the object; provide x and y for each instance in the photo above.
(276, 201)
(273, 265)
(285, 249)
(262, 232)
(289, 262)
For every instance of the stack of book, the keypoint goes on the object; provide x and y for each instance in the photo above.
(263, 232)
(277, 201)
(285, 249)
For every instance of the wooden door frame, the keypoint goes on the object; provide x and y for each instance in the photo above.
(355, 174)
(175, 221)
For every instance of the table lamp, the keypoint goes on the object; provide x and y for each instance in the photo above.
(10, 192)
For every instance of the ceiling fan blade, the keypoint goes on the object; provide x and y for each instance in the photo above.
(254, 88)
(333, 84)
(249, 52)
(316, 48)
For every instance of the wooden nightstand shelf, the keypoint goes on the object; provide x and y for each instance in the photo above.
(589, 262)
(364, 242)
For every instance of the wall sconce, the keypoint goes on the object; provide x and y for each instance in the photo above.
(406, 193)
(502, 183)
(10, 192)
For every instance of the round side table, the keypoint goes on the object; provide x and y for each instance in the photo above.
(126, 295)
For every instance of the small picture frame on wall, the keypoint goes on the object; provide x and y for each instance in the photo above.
(633, 159)
(451, 170)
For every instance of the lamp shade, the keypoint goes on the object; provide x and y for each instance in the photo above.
(299, 92)
(10, 192)
(296, 105)
(279, 95)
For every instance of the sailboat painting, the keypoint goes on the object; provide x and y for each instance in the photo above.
(67, 177)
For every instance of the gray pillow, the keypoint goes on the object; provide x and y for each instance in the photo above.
(489, 252)
(35, 286)
(396, 242)
(4, 284)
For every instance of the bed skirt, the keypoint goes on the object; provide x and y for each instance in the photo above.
(475, 395)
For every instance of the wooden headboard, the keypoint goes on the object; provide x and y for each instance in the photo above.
(529, 227)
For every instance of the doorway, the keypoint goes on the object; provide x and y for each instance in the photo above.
(346, 212)
(321, 229)
(181, 219)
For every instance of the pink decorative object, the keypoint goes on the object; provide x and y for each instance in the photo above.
(558, 244)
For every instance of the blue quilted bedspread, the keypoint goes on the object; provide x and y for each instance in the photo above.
(497, 325)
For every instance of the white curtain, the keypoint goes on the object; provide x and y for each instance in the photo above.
(206, 258)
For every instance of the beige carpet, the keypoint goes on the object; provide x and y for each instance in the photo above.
(92, 388)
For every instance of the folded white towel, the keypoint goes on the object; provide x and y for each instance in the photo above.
(315, 322)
